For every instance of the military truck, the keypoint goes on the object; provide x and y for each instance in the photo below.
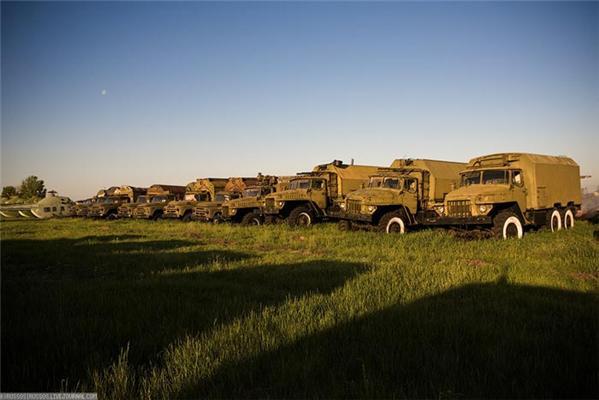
(249, 208)
(125, 210)
(211, 211)
(158, 196)
(107, 206)
(195, 192)
(407, 194)
(508, 192)
(82, 207)
(315, 196)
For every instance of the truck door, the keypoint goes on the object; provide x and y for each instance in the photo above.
(333, 186)
(318, 193)
(518, 189)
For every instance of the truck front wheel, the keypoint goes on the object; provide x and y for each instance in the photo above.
(251, 218)
(300, 216)
(507, 225)
(393, 222)
(186, 217)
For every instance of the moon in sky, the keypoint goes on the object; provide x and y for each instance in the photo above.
(103, 92)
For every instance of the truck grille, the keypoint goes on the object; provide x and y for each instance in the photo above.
(124, 212)
(141, 212)
(200, 213)
(225, 211)
(270, 204)
(171, 212)
(459, 208)
(353, 206)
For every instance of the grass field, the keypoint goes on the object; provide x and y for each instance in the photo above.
(135, 309)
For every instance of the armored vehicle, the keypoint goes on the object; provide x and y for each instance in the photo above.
(211, 211)
(508, 192)
(249, 208)
(199, 190)
(158, 197)
(107, 206)
(314, 196)
(407, 194)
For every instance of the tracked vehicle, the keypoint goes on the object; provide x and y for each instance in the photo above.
(198, 191)
(315, 196)
(211, 211)
(410, 193)
(249, 208)
(158, 196)
(107, 206)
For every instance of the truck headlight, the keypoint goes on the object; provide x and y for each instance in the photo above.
(371, 209)
(483, 208)
(232, 211)
(342, 206)
(280, 204)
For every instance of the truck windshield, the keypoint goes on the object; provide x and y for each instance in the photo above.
(495, 177)
(251, 192)
(143, 199)
(221, 197)
(375, 181)
(159, 199)
(299, 184)
(392, 183)
(470, 178)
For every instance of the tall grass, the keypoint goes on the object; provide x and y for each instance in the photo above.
(135, 309)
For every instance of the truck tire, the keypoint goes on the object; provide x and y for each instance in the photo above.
(156, 216)
(507, 224)
(344, 225)
(111, 216)
(301, 216)
(394, 222)
(186, 217)
(553, 220)
(251, 218)
(568, 219)
(217, 219)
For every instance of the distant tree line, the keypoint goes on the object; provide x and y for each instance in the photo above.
(30, 187)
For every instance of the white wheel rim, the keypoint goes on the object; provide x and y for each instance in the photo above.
(516, 222)
(396, 220)
(305, 215)
(556, 217)
(256, 221)
(568, 219)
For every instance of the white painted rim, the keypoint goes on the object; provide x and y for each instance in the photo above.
(555, 214)
(305, 214)
(398, 220)
(513, 220)
(256, 221)
(568, 216)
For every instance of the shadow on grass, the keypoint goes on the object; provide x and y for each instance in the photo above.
(489, 340)
(63, 327)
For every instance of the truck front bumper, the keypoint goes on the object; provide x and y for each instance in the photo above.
(350, 216)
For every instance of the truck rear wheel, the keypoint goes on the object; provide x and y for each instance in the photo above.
(344, 225)
(394, 222)
(251, 218)
(186, 217)
(507, 225)
(569, 218)
(554, 220)
(300, 216)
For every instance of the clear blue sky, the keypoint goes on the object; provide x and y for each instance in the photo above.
(230, 89)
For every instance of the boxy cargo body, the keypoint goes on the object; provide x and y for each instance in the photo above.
(314, 196)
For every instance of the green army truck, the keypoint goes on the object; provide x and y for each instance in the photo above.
(509, 192)
(107, 206)
(211, 211)
(407, 194)
(199, 190)
(249, 208)
(158, 198)
(125, 210)
(82, 207)
(315, 196)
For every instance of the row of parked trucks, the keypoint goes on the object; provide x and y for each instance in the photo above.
(504, 194)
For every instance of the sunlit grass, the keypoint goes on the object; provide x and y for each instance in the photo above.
(167, 309)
